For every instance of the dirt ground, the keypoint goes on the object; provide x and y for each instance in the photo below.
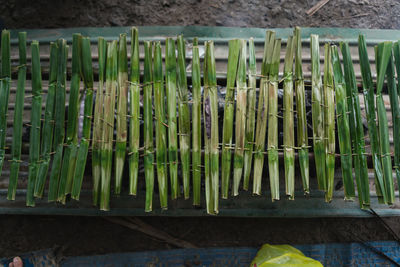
(72, 236)
(238, 13)
(91, 235)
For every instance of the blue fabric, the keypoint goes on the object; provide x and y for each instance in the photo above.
(334, 254)
(32, 259)
(353, 254)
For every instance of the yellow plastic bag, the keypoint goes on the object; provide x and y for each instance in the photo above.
(282, 255)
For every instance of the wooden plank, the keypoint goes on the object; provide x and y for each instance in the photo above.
(244, 205)
(216, 34)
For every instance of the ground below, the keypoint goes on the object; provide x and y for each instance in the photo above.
(72, 236)
(382, 14)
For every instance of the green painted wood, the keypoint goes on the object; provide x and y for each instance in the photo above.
(217, 34)
(245, 205)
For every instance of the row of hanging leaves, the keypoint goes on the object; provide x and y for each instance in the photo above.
(55, 151)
